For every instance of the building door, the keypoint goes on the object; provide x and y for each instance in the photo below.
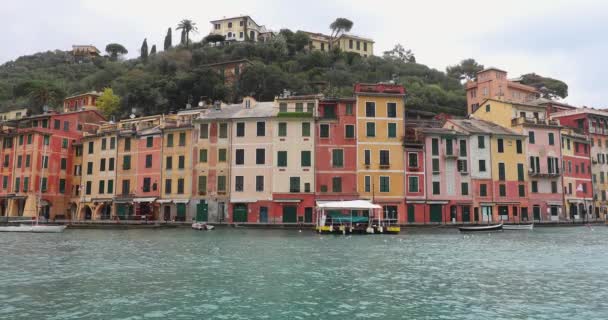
(524, 214)
(486, 213)
(239, 213)
(290, 214)
(121, 211)
(453, 213)
(202, 213)
(503, 212)
(88, 213)
(536, 212)
(308, 215)
(436, 212)
(466, 213)
(411, 213)
(181, 212)
(554, 213)
(391, 214)
(264, 214)
(476, 214)
(167, 213)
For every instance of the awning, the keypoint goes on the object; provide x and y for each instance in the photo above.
(138, 200)
(438, 202)
(123, 200)
(243, 200)
(163, 200)
(44, 203)
(181, 200)
(352, 204)
(486, 204)
(287, 200)
(555, 203)
(415, 201)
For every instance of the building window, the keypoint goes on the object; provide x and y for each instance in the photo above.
(371, 129)
(61, 185)
(299, 107)
(221, 155)
(180, 186)
(552, 139)
(305, 158)
(337, 158)
(336, 184)
(148, 161)
(127, 144)
(502, 190)
(436, 187)
(202, 155)
(238, 183)
(482, 165)
(63, 165)
(349, 131)
(501, 171)
(520, 172)
(462, 166)
(64, 143)
(522, 190)
(223, 132)
(169, 140)
(534, 186)
(239, 157)
(204, 131)
(553, 187)
(28, 161)
(391, 110)
(435, 146)
(282, 129)
(349, 109)
(385, 185)
(384, 158)
(149, 142)
(168, 184)
(91, 147)
(413, 184)
(412, 159)
(89, 168)
(260, 156)
(181, 162)
(45, 162)
(435, 165)
(102, 187)
(294, 184)
(501, 147)
(261, 129)
(392, 130)
(126, 162)
(463, 148)
(88, 187)
(483, 190)
(259, 183)
(531, 138)
(146, 186)
(17, 184)
(202, 184)
(370, 109)
(282, 158)
(367, 183)
(221, 183)
(324, 130)
(102, 165)
(310, 106)
(110, 186)
(305, 129)
(464, 188)
(283, 107)
(240, 129)
(367, 155)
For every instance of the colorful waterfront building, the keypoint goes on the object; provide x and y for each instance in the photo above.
(593, 124)
(293, 186)
(335, 154)
(252, 154)
(37, 154)
(578, 190)
(448, 180)
(241, 28)
(492, 83)
(380, 128)
(14, 114)
(212, 168)
(82, 101)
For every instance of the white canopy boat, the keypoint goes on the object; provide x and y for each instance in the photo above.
(522, 226)
(201, 226)
(495, 227)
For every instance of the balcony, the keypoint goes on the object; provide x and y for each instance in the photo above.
(533, 121)
(544, 174)
(385, 166)
(413, 168)
(293, 114)
(451, 155)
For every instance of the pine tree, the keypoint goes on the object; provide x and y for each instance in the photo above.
(168, 39)
(144, 50)
(153, 49)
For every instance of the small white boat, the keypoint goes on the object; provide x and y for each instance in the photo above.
(495, 227)
(523, 226)
(202, 226)
(35, 228)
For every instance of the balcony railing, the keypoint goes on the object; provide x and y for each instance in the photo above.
(544, 174)
(527, 120)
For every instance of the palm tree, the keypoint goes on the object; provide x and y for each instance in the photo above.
(187, 26)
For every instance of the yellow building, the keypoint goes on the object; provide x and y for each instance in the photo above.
(380, 163)
(346, 42)
(242, 28)
(13, 114)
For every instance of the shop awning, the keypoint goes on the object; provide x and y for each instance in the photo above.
(181, 200)
(163, 200)
(349, 205)
(138, 200)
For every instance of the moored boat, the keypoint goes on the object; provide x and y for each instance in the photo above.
(522, 226)
(201, 226)
(494, 227)
(34, 228)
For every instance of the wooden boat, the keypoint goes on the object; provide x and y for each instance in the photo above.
(494, 227)
(201, 226)
(523, 226)
(35, 228)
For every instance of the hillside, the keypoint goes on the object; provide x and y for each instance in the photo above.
(166, 80)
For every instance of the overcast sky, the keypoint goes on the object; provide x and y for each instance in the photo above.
(562, 39)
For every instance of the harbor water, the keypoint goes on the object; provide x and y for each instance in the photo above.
(549, 273)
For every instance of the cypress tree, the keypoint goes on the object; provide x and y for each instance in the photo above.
(168, 39)
(153, 49)
(144, 50)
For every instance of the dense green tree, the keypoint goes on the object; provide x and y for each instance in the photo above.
(40, 93)
(295, 42)
(339, 27)
(549, 88)
(143, 52)
(213, 38)
(168, 40)
(187, 26)
(108, 103)
(115, 50)
(400, 53)
(466, 70)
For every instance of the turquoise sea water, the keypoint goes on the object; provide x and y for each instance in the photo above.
(550, 273)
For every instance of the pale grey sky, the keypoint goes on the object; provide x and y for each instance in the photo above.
(555, 38)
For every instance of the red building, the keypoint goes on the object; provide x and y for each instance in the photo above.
(38, 153)
(578, 190)
(338, 117)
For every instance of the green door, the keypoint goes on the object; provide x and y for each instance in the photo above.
(411, 213)
(536, 211)
(201, 211)
(239, 213)
(466, 214)
(308, 215)
(290, 214)
(181, 212)
(436, 212)
(122, 211)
